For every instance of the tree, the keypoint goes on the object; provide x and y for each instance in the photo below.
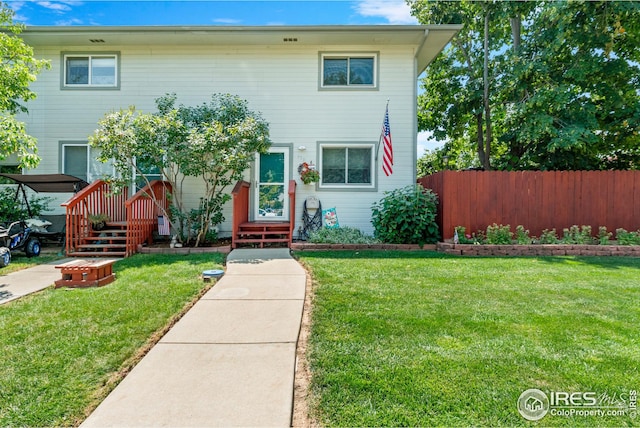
(215, 142)
(573, 93)
(537, 85)
(17, 71)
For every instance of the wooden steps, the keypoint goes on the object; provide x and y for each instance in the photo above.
(108, 242)
(261, 233)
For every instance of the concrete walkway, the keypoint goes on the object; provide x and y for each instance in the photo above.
(229, 361)
(17, 284)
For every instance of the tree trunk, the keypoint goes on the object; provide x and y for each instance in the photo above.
(480, 139)
(516, 32)
(487, 106)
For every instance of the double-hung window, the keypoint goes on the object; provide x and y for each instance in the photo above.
(80, 160)
(90, 71)
(348, 71)
(347, 166)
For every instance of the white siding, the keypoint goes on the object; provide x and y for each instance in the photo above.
(280, 82)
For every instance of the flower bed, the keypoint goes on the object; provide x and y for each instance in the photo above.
(538, 250)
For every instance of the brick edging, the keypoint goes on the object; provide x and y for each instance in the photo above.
(299, 246)
(539, 250)
(184, 250)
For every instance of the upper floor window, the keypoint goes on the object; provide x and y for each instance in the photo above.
(99, 71)
(349, 71)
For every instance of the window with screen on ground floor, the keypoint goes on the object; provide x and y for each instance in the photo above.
(347, 166)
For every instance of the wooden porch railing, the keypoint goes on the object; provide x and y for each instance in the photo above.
(143, 210)
(93, 199)
(139, 212)
(292, 209)
(240, 195)
(240, 213)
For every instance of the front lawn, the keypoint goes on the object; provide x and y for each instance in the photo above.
(423, 339)
(63, 349)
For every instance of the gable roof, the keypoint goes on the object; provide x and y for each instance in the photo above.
(428, 40)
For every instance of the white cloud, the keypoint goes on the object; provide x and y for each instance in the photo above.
(59, 6)
(427, 142)
(227, 21)
(394, 11)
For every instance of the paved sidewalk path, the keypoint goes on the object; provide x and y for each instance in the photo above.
(17, 284)
(229, 361)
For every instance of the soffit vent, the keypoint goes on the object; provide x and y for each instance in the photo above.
(96, 40)
(290, 39)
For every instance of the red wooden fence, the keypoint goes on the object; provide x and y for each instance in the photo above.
(537, 200)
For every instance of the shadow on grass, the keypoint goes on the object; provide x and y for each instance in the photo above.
(146, 260)
(608, 262)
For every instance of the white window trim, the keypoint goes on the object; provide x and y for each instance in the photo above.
(349, 186)
(348, 55)
(90, 56)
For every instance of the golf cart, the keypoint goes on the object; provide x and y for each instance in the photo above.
(24, 235)
(17, 237)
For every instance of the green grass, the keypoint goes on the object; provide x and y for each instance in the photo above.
(19, 261)
(423, 339)
(62, 349)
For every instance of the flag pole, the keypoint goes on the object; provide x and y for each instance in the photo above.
(380, 137)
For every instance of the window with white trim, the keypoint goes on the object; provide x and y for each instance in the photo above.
(94, 71)
(348, 71)
(347, 165)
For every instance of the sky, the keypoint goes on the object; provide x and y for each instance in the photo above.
(217, 12)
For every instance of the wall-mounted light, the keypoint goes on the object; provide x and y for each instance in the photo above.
(302, 148)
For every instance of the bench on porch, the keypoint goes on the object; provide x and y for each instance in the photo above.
(85, 273)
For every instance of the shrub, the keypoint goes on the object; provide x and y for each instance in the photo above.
(465, 238)
(499, 234)
(406, 216)
(341, 235)
(576, 235)
(627, 238)
(13, 210)
(604, 236)
(522, 236)
(549, 237)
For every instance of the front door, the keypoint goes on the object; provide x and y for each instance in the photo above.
(272, 179)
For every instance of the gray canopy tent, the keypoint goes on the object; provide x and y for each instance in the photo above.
(46, 183)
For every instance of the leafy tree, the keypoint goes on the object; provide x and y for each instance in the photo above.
(573, 90)
(17, 71)
(215, 142)
(536, 85)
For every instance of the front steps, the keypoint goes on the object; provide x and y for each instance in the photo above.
(261, 233)
(108, 242)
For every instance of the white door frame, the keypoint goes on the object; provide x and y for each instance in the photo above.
(269, 216)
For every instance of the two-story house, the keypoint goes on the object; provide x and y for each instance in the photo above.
(323, 90)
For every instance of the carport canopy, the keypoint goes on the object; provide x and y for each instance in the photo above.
(49, 183)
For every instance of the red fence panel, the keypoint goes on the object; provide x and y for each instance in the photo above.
(536, 200)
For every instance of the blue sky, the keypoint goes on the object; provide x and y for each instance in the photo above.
(217, 12)
(211, 12)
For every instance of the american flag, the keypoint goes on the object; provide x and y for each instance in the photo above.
(163, 226)
(385, 137)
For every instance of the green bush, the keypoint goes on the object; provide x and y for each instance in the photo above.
(627, 238)
(341, 235)
(604, 236)
(406, 216)
(499, 234)
(12, 209)
(577, 235)
(549, 237)
(522, 236)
